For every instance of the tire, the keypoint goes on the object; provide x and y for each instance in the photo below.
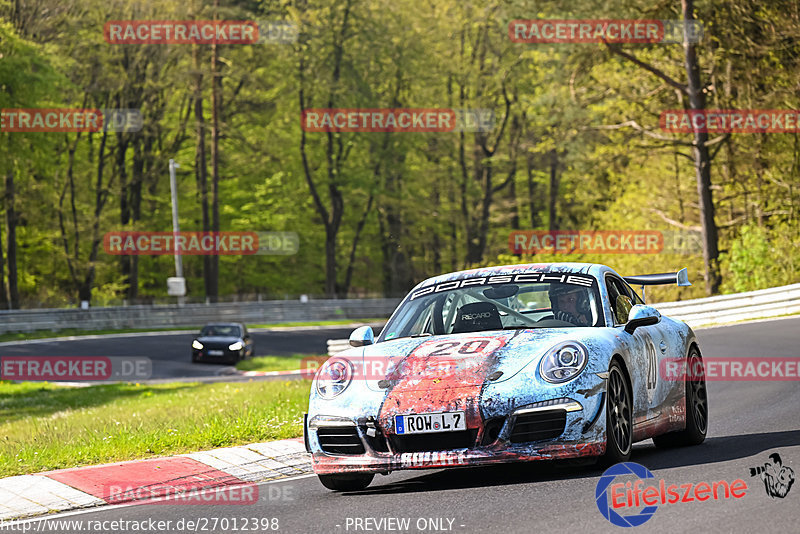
(194, 358)
(619, 417)
(352, 482)
(696, 408)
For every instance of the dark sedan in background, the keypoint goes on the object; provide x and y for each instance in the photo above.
(222, 342)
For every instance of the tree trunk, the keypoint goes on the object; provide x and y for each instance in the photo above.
(333, 157)
(200, 166)
(135, 206)
(702, 162)
(216, 83)
(101, 195)
(512, 193)
(551, 204)
(435, 239)
(11, 239)
(3, 288)
(356, 238)
(124, 204)
(532, 192)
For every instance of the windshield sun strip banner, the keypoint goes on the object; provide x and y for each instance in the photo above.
(560, 278)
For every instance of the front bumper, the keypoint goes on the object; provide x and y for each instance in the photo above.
(374, 451)
(226, 356)
(379, 463)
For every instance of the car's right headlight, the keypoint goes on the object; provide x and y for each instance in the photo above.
(197, 345)
(563, 362)
(333, 377)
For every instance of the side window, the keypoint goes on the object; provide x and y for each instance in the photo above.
(449, 312)
(621, 298)
(633, 294)
(423, 322)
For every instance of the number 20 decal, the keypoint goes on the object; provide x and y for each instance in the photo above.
(469, 347)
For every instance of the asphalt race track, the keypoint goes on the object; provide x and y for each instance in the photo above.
(749, 421)
(171, 352)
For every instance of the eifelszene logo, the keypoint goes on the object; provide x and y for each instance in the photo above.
(642, 501)
(778, 478)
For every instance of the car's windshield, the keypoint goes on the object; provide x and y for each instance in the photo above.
(220, 330)
(437, 310)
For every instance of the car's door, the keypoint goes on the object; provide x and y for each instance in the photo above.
(669, 345)
(643, 353)
(662, 347)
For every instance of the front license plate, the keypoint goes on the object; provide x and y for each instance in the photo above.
(429, 422)
(215, 353)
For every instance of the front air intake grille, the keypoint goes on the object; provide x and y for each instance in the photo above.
(538, 426)
(434, 441)
(491, 430)
(340, 440)
(377, 442)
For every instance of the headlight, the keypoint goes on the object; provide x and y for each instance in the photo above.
(197, 345)
(563, 362)
(236, 346)
(333, 377)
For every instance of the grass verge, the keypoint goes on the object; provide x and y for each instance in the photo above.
(332, 322)
(44, 426)
(45, 334)
(279, 363)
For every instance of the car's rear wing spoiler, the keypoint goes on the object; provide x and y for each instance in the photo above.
(681, 278)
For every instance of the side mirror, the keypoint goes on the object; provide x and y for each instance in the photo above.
(642, 315)
(362, 336)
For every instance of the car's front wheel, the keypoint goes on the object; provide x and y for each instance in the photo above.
(350, 482)
(619, 417)
(696, 408)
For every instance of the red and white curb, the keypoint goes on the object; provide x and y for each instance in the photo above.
(82, 487)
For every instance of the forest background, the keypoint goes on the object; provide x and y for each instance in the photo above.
(576, 145)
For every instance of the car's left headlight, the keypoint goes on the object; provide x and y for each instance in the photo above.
(236, 346)
(563, 362)
(197, 345)
(333, 377)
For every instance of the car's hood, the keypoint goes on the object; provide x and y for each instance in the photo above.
(218, 339)
(457, 360)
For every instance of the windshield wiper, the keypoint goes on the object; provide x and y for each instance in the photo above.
(519, 327)
(422, 334)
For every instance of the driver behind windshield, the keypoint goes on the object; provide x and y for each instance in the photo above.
(570, 304)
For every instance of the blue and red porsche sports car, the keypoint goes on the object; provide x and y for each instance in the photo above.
(501, 364)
